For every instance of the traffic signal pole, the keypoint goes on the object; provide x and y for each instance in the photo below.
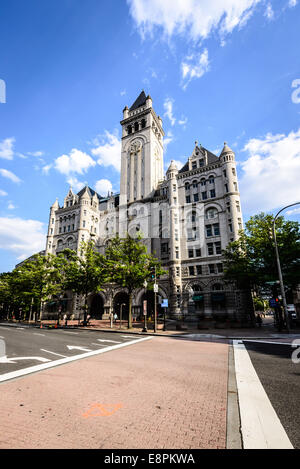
(155, 305)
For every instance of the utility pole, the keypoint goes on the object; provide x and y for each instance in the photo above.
(286, 314)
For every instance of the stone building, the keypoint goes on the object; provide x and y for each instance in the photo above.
(186, 216)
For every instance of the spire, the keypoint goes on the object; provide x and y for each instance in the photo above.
(226, 149)
(140, 101)
(55, 206)
(172, 166)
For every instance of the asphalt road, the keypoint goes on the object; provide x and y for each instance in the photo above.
(24, 347)
(280, 378)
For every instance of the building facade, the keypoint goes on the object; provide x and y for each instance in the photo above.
(186, 216)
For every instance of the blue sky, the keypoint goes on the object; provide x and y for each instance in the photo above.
(216, 71)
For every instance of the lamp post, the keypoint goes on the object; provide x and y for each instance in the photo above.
(286, 314)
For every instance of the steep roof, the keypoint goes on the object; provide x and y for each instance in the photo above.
(211, 158)
(90, 191)
(140, 101)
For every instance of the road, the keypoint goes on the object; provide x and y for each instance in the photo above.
(24, 347)
(280, 378)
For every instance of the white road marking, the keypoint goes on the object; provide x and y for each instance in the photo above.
(37, 333)
(106, 340)
(52, 364)
(128, 336)
(98, 345)
(67, 332)
(260, 425)
(53, 353)
(12, 359)
(76, 347)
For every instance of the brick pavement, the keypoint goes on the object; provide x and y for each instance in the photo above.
(162, 393)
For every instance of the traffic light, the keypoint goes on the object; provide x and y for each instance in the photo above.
(153, 273)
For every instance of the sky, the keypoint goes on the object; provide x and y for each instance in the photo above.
(217, 70)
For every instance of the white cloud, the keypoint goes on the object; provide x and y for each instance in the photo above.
(76, 162)
(269, 13)
(35, 153)
(46, 168)
(2, 193)
(270, 176)
(168, 105)
(103, 186)
(178, 163)
(183, 121)
(108, 150)
(23, 237)
(168, 139)
(77, 185)
(9, 175)
(11, 206)
(293, 211)
(6, 148)
(196, 19)
(292, 3)
(194, 66)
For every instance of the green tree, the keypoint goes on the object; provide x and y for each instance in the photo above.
(129, 265)
(86, 272)
(251, 260)
(37, 279)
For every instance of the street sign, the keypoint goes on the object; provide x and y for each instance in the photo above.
(273, 303)
(145, 307)
(155, 288)
(165, 303)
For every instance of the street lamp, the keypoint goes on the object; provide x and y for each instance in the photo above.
(286, 314)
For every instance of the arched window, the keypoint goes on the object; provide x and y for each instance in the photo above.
(217, 287)
(136, 126)
(129, 129)
(59, 244)
(143, 123)
(203, 182)
(187, 186)
(195, 184)
(211, 179)
(211, 213)
(69, 242)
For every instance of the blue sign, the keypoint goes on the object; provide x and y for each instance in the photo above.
(165, 303)
(272, 303)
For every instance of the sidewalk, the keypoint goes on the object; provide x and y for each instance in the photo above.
(141, 397)
(264, 332)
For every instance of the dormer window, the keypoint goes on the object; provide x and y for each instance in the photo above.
(201, 162)
(194, 165)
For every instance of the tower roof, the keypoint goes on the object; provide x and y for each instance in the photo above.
(226, 149)
(140, 101)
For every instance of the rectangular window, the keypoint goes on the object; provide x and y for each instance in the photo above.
(196, 197)
(218, 247)
(208, 230)
(199, 269)
(177, 253)
(216, 229)
(238, 206)
(64, 229)
(198, 252)
(210, 249)
(83, 223)
(194, 165)
(191, 270)
(230, 227)
(60, 229)
(212, 193)
(204, 195)
(191, 253)
(175, 200)
(220, 268)
(51, 231)
(69, 227)
(226, 187)
(235, 186)
(84, 212)
(174, 187)
(176, 235)
(177, 271)
(233, 171)
(52, 221)
(201, 163)
(188, 199)
(73, 227)
(211, 268)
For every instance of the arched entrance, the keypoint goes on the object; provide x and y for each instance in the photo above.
(198, 299)
(97, 307)
(121, 298)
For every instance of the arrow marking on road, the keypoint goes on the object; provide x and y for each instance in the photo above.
(12, 360)
(75, 347)
(106, 340)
